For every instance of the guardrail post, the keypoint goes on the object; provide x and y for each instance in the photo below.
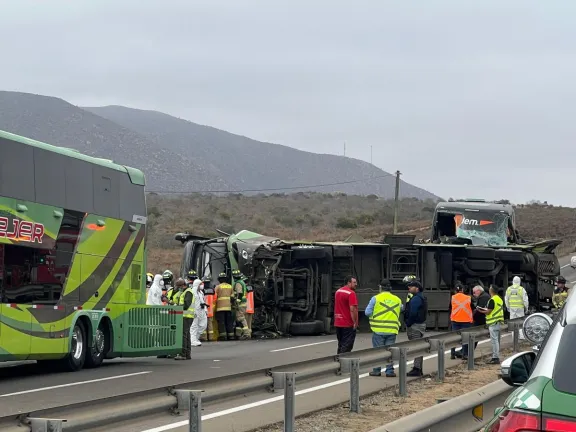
(287, 381)
(438, 345)
(399, 354)
(516, 336)
(352, 366)
(191, 400)
(470, 339)
(46, 425)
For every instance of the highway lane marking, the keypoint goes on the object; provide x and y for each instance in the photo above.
(279, 398)
(303, 346)
(74, 384)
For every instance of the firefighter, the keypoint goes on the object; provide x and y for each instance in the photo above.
(210, 299)
(240, 292)
(186, 300)
(168, 278)
(249, 304)
(461, 317)
(560, 293)
(224, 300)
(191, 277)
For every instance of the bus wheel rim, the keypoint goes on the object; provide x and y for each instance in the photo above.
(78, 345)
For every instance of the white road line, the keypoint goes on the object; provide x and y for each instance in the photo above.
(74, 384)
(302, 346)
(279, 398)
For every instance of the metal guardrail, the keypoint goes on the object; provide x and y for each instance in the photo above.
(466, 413)
(175, 399)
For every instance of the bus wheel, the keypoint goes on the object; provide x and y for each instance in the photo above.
(74, 361)
(95, 355)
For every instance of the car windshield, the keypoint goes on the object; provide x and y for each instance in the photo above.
(483, 228)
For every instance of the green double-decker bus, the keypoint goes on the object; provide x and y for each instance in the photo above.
(73, 260)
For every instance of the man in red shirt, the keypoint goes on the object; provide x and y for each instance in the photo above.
(346, 315)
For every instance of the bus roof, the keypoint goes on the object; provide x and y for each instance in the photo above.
(136, 176)
(477, 205)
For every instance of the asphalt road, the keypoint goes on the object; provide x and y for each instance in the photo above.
(26, 387)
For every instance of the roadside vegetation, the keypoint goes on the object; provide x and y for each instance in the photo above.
(318, 216)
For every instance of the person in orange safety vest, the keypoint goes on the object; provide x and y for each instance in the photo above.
(460, 318)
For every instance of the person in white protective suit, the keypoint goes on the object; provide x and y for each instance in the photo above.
(155, 291)
(200, 317)
(516, 300)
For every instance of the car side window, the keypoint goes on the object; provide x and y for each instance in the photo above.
(563, 377)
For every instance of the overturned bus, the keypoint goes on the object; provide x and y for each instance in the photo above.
(294, 282)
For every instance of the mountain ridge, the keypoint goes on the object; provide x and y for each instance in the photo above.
(178, 155)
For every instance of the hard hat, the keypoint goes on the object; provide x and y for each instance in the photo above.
(192, 274)
(167, 274)
(222, 275)
(561, 279)
(409, 278)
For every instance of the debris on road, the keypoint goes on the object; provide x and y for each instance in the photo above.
(385, 406)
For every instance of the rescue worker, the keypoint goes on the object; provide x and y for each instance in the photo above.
(494, 312)
(200, 320)
(149, 280)
(240, 292)
(210, 299)
(249, 304)
(407, 279)
(224, 301)
(415, 318)
(384, 314)
(461, 317)
(173, 294)
(168, 278)
(154, 296)
(186, 300)
(560, 293)
(516, 301)
(191, 277)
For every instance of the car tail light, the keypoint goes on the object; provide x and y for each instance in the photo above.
(516, 421)
(559, 425)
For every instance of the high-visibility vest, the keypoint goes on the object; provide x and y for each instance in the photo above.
(176, 297)
(210, 299)
(461, 308)
(223, 294)
(497, 314)
(386, 314)
(189, 313)
(516, 298)
(243, 285)
(558, 299)
(249, 300)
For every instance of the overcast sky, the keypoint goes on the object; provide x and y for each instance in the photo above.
(466, 98)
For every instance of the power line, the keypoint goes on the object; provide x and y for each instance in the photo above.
(271, 189)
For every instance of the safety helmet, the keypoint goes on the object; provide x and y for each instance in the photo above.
(222, 275)
(409, 278)
(167, 275)
(192, 274)
(561, 279)
(149, 278)
(206, 279)
(236, 273)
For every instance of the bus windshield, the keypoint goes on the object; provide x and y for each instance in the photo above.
(482, 228)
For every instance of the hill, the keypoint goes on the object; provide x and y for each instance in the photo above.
(317, 216)
(246, 164)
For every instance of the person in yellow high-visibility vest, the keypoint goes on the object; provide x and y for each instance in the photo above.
(384, 314)
(186, 300)
(494, 312)
(516, 300)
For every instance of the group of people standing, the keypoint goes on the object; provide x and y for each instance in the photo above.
(481, 308)
(203, 303)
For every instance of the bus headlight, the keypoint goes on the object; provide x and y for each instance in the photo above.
(536, 326)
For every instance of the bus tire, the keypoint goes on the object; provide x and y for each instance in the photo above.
(75, 360)
(97, 352)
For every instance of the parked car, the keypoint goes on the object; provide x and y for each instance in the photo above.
(545, 399)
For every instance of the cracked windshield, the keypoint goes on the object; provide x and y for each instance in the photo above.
(483, 228)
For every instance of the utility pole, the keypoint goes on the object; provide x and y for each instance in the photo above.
(396, 202)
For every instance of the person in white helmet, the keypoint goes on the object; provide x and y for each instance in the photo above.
(516, 300)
